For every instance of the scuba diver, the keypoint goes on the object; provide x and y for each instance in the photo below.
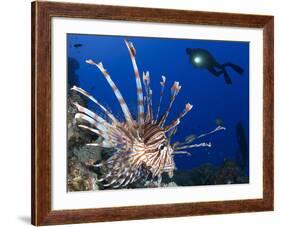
(201, 58)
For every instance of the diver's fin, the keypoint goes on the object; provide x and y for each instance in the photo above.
(227, 78)
(236, 68)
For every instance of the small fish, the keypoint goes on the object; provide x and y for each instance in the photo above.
(219, 122)
(142, 144)
(190, 138)
(77, 45)
(201, 58)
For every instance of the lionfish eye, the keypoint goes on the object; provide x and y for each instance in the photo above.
(162, 146)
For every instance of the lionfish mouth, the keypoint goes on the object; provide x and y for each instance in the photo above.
(142, 149)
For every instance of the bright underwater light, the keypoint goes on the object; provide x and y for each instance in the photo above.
(197, 60)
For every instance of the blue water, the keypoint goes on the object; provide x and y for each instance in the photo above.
(210, 96)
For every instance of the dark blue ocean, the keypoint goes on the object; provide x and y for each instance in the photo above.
(214, 102)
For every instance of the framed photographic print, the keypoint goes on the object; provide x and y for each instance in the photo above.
(146, 113)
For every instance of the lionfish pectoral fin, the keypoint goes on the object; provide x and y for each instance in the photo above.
(98, 165)
(124, 107)
(91, 114)
(219, 128)
(102, 129)
(193, 146)
(104, 144)
(83, 92)
(188, 140)
(110, 183)
(182, 152)
(91, 129)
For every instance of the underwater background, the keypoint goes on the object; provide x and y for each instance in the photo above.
(214, 103)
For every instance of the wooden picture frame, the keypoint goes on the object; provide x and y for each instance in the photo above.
(42, 13)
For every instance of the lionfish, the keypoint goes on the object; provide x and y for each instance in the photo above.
(142, 146)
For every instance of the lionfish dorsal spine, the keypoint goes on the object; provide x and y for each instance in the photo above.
(148, 91)
(140, 106)
(187, 108)
(162, 83)
(172, 132)
(124, 107)
(174, 91)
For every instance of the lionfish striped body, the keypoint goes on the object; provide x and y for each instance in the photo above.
(142, 147)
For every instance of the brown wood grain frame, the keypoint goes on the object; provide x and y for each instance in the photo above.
(42, 13)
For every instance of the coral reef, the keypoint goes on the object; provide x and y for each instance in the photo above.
(80, 177)
(228, 172)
